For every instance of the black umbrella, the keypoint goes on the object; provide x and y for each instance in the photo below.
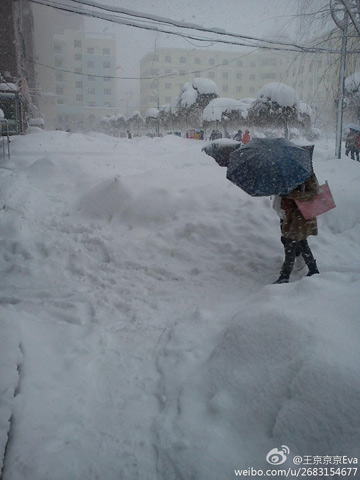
(221, 149)
(267, 166)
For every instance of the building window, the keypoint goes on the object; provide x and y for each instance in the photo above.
(269, 61)
(91, 104)
(59, 91)
(239, 89)
(269, 76)
(252, 76)
(252, 64)
(197, 75)
(107, 104)
(90, 50)
(211, 75)
(58, 48)
(91, 91)
(239, 63)
(182, 60)
(91, 78)
(77, 43)
(225, 62)
(239, 76)
(197, 61)
(58, 62)
(106, 51)
(106, 64)
(225, 75)
(167, 71)
(90, 64)
(78, 56)
(78, 70)
(168, 86)
(78, 84)
(107, 79)
(225, 88)
(79, 98)
(167, 59)
(153, 99)
(211, 61)
(107, 91)
(59, 76)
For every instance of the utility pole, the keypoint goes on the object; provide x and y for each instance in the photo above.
(343, 24)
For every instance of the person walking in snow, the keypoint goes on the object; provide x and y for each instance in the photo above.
(238, 136)
(350, 144)
(295, 229)
(246, 137)
(357, 147)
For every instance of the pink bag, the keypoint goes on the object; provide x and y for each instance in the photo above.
(322, 203)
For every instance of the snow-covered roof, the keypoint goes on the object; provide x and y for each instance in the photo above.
(220, 105)
(280, 93)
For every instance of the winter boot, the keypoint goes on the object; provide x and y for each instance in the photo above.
(312, 268)
(284, 278)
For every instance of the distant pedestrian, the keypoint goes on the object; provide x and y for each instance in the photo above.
(350, 144)
(246, 137)
(212, 135)
(238, 136)
(357, 149)
(129, 134)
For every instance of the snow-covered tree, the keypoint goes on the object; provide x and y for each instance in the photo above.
(152, 118)
(193, 98)
(277, 105)
(227, 112)
(135, 122)
(352, 94)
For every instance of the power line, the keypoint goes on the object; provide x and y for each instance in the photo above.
(246, 40)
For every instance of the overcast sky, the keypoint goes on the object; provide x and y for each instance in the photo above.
(259, 18)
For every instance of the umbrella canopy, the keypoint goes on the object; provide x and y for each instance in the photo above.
(267, 166)
(221, 149)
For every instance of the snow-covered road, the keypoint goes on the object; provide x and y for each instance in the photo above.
(141, 335)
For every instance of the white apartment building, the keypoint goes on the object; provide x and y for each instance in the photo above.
(85, 66)
(237, 75)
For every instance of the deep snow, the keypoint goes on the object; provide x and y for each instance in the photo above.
(141, 334)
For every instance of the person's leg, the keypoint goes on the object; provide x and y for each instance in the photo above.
(308, 257)
(290, 254)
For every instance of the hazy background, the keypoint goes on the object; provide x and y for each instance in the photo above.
(258, 18)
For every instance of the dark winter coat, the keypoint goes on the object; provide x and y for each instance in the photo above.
(295, 226)
(351, 140)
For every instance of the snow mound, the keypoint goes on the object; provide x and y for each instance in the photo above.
(112, 200)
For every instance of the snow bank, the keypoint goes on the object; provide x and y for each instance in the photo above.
(141, 335)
